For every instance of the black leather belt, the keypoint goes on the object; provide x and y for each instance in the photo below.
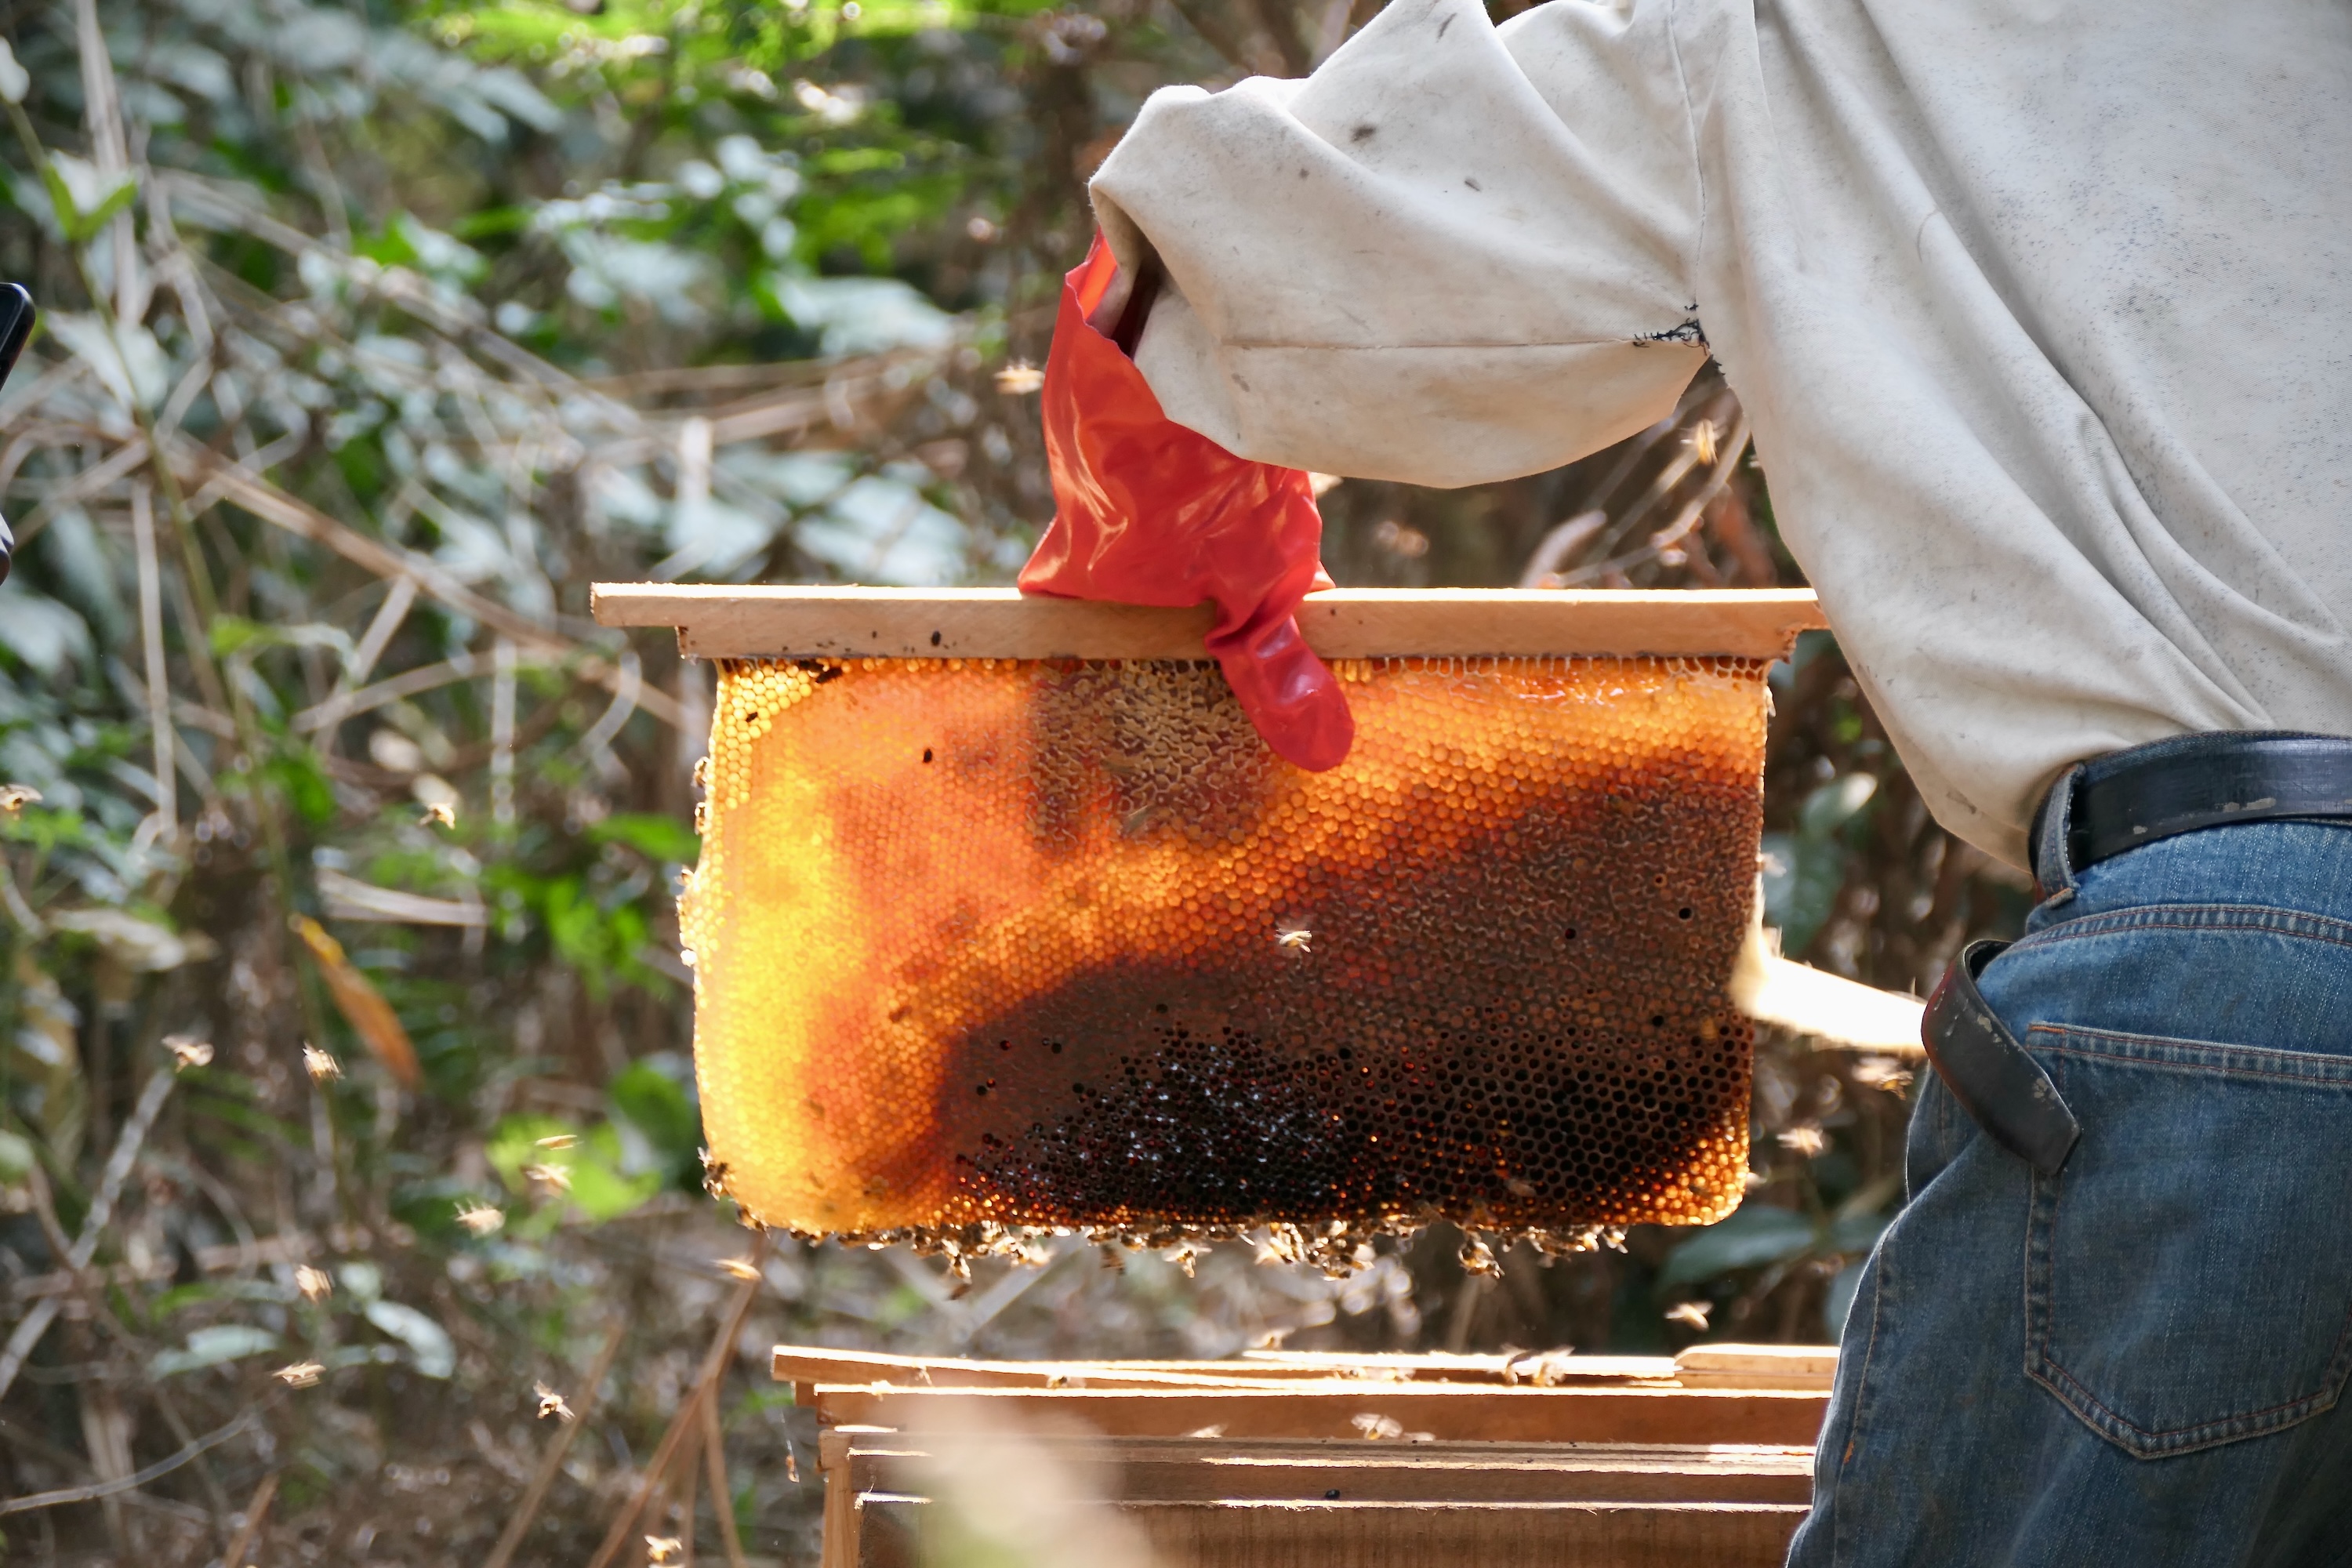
(1990, 1073)
(2129, 798)
(2098, 810)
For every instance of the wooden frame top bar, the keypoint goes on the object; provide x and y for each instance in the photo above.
(1340, 623)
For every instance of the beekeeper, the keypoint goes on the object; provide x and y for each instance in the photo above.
(2038, 312)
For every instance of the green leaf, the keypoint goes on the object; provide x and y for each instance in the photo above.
(601, 1192)
(229, 633)
(1754, 1236)
(1856, 1232)
(655, 837)
(429, 1345)
(1834, 804)
(1802, 877)
(656, 1106)
(84, 199)
(212, 1346)
(298, 777)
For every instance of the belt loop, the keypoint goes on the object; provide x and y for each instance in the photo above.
(2053, 838)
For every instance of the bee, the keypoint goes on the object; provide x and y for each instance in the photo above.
(1806, 1140)
(313, 1282)
(551, 1403)
(663, 1548)
(187, 1051)
(1019, 379)
(1701, 442)
(480, 1218)
(1693, 1313)
(1519, 1188)
(1882, 1072)
(791, 1465)
(558, 1141)
(1479, 1258)
(319, 1063)
(741, 1268)
(556, 1176)
(1294, 937)
(714, 1175)
(1376, 1427)
(16, 797)
(299, 1374)
(438, 814)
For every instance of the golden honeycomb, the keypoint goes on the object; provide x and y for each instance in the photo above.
(1040, 943)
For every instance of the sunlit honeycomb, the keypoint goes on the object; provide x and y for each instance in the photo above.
(1060, 944)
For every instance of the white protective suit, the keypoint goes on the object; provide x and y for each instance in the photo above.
(2038, 307)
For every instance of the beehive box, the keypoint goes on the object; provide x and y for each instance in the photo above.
(1291, 1459)
(1005, 919)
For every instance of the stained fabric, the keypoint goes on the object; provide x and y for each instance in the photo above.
(2032, 307)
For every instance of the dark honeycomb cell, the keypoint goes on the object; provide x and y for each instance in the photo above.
(1060, 944)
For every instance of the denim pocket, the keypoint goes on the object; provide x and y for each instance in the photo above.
(2189, 1273)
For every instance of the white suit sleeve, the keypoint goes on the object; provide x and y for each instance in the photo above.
(1455, 254)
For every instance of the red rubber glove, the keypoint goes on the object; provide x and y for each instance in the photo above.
(1149, 513)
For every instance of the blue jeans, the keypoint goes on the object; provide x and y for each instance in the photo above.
(2137, 1362)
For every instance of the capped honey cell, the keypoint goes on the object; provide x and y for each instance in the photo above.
(1054, 944)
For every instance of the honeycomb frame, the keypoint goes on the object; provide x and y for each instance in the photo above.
(989, 947)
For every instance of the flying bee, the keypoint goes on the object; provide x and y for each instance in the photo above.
(1882, 1072)
(1693, 1313)
(319, 1063)
(16, 797)
(1294, 937)
(556, 1176)
(480, 1218)
(313, 1282)
(558, 1141)
(741, 1268)
(551, 1403)
(1701, 442)
(1806, 1140)
(663, 1548)
(187, 1051)
(438, 814)
(1019, 379)
(299, 1374)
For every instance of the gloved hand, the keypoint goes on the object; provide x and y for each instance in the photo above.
(1149, 513)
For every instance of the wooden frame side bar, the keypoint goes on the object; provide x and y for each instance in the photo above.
(1341, 623)
(1327, 1410)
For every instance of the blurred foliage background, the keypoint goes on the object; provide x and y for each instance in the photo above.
(374, 333)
